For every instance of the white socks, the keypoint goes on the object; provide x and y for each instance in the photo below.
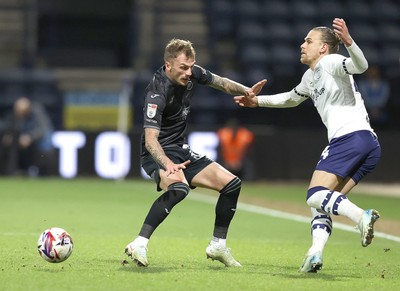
(334, 203)
(141, 241)
(219, 242)
(319, 240)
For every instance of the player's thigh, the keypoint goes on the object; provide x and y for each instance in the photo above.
(345, 187)
(331, 182)
(214, 176)
(166, 181)
(325, 179)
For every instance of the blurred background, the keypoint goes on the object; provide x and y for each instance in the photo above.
(88, 62)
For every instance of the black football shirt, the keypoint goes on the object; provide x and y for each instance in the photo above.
(167, 106)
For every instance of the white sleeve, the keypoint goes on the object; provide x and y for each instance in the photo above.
(357, 63)
(281, 100)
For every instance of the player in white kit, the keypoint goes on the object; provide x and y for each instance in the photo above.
(353, 149)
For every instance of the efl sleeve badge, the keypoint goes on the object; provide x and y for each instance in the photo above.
(151, 110)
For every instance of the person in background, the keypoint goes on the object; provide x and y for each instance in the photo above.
(26, 139)
(235, 142)
(168, 159)
(376, 92)
(353, 150)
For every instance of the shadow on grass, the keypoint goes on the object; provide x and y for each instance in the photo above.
(190, 267)
(292, 273)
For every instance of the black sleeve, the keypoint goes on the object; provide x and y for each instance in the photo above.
(203, 76)
(154, 105)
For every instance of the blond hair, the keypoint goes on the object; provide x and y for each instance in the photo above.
(177, 46)
(329, 37)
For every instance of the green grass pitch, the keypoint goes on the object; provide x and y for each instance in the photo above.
(103, 216)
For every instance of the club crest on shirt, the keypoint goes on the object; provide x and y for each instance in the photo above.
(151, 110)
(317, 73)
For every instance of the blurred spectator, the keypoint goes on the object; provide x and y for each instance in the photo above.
(26, 139)
(235, 141)
(376, 92)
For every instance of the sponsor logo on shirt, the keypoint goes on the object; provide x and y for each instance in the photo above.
(315, 95)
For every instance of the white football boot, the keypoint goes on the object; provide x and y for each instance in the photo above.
(221, 254)
(311, 263)
(138, 253)
(366, 226)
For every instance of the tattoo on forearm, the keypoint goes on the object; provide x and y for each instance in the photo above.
(228, 86)
(157, 153)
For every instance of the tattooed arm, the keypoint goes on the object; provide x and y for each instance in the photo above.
(234, 88)
(228, 86)
(157, 152)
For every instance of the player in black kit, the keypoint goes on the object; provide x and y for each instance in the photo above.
(169, 160)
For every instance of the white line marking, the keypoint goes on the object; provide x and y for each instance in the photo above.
(280, 214)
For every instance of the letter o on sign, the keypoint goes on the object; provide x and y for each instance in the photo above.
(112, 155)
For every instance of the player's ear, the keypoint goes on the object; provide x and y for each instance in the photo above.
(168, 66)
(324, 48)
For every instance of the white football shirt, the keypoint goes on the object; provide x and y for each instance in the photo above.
(333, 91)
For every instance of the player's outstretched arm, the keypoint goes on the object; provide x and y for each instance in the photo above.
(234, 88)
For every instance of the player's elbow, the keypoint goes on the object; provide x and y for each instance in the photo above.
(364, 66)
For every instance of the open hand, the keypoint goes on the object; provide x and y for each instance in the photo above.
(246, 101)
(258, 86)
(173, 168)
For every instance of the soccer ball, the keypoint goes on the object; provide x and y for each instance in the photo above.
(55, 245)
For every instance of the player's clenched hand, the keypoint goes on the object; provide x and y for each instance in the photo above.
(340, 27)
(246, 101)
(173, 168)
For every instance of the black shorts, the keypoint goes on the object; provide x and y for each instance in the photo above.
(177, 154)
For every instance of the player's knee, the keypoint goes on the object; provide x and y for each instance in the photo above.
(232, 188)
(179, 187)
(175, 194)
(312, 199)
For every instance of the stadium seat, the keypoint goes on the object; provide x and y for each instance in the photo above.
(303, 10)
(279, 32)
(386, 10)
(371, 53)
(251, 31)
(391, 57)
(276, 10)
(255, 74)
(249, 10)
(13, 86)
(221, 15)
(364, 32)
(358, 10)
(328, 10)
(12, 91)
(389, 33)
(285, 60)
(254, 55)
(300, 30)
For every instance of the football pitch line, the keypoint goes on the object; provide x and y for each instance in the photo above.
(281, 214)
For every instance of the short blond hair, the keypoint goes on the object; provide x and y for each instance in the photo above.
(177, 46)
